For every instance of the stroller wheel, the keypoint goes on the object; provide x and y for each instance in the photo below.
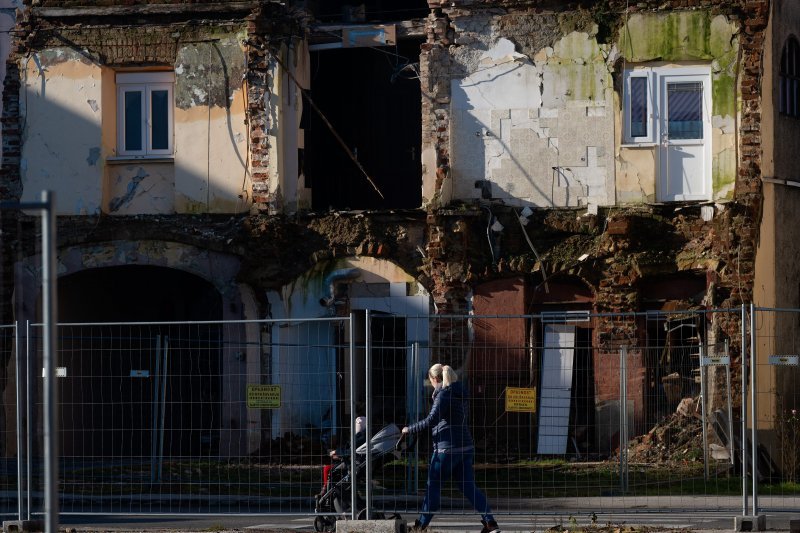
(325, 524)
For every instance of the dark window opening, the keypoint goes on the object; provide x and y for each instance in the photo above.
(368, 10)
(134, 390)
(789, 85)
(372, 98)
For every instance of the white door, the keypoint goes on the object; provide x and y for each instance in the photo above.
(557, 362)
(685, 135)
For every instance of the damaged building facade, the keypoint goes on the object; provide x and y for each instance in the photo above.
(217, 161)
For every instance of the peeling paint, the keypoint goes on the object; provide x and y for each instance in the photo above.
(116, 203)
(209, 73)
(93, 105)
(94, 155)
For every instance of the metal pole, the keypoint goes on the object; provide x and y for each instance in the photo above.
(623, 419)
(368, 393)
(49, 311)
(753, 405)
(29, 366)
(743, 359)
(353, 487)
(156, 394)
(730, 401)
(703, 391)
(164, 373)
(20, 444)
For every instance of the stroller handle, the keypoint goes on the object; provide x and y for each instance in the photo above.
(397, 446)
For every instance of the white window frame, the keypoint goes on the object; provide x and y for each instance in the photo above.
(654, 98)
(652, 123)
(145, 83)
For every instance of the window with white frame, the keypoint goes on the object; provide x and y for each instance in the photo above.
(639, 106)
(145, 113)
(643, 104)
(790, 79)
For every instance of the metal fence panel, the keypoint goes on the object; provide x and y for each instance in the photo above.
(776, 339)
(571, 412)
(230, 417)
(582, 413)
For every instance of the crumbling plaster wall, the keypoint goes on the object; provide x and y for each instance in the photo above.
(532, 116)
(672, 39)
(60, 93)
(64, 88)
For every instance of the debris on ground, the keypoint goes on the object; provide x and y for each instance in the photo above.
(678, 438)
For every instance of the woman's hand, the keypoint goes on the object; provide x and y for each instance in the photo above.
(405, 430)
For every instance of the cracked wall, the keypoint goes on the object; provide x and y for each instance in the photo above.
(676, 39)
(209, 172)
(532, 129)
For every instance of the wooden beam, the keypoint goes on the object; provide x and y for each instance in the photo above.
(146, 9)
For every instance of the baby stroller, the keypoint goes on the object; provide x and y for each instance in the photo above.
(333, 501)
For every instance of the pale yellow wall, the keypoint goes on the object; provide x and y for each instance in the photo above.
(69, 108)
(60, 106)
(210, 159)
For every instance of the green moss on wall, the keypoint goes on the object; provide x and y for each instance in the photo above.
(676, 36)
(723, 96)
(723, 171)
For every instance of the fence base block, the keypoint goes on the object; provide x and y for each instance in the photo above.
(371, 526)
(750, 523)
(19, 526)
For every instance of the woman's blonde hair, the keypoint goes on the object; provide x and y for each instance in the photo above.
(444, 373)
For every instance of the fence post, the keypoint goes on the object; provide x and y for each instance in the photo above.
(703, 392)
(753, 405)
(368, 394)
(730, 400)
(743, 359)
(29, 366)
(353, 484)
(623, 418)
(17, 376)
(49, 312)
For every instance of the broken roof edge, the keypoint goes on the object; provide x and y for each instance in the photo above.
(406, 29)
(150, 9)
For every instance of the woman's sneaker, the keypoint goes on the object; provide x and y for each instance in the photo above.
(490, 527)
(416, 527)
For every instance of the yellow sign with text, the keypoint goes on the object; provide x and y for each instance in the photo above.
(263, 396)
(520, 400)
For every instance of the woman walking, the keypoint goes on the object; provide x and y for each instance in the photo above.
(453, 450)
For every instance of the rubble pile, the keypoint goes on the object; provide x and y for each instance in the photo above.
(678, 438)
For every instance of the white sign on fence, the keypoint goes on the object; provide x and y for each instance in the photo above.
(788, 360)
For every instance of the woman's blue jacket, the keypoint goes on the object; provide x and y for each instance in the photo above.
(448, 419)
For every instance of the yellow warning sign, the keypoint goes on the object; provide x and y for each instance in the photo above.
(520, 400)
(263, 396)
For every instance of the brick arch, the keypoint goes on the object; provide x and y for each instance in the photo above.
(218, 269)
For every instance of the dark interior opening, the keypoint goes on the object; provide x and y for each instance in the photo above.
(389, 349)
(368, 10)
(371, 96)
(138, 390)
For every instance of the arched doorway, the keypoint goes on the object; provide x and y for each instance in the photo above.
(135, 387)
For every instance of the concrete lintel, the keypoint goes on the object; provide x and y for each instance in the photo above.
(371, 526)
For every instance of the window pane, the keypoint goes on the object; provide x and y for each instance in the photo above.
(639, 111)
(685, 110)
(133, 121)
(159, 106)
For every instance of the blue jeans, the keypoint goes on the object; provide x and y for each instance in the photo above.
(457, 466)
